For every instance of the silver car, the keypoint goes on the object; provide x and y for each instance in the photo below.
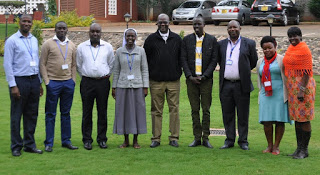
(228, 10)
(191, 9)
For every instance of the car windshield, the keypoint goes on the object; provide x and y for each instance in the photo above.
(228, 3)
(266, 2)
(190, 4)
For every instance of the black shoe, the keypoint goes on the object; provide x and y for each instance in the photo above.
(103, 145)
(174, 143)
(16, 153)
(207, 144)
(88, 146)
(69, 146)
(154, 144)
(33, 150)
(195, 143)
(244, 147)
(48, 148)
(226, 146)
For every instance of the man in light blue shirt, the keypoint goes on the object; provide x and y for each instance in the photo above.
(21, 65)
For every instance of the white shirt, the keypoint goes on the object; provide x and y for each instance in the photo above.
(164, 35)
(231, 71)
(61, 43)
(95, 62)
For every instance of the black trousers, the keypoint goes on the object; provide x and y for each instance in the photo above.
(27, 106)
(94, 89)
(232, 98)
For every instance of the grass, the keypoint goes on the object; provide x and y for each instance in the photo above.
(12, 28)
(164, 159)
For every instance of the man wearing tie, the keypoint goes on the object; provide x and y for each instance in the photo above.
(237, 57)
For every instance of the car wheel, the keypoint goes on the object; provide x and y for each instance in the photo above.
(297, 20)
(285, 20)
(216, 23)
(175, 23)
(243, 20)
(254, 23)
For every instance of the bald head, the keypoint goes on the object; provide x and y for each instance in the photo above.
(234, 30)
(95, 26)
(95, 34)
(162, 16)
(234, 22)
(163, 23)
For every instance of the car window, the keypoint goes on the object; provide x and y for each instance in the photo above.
(266, 2)
(246, 4)
(206, 5)
(212, 4)
(228, 3)
(190, 4)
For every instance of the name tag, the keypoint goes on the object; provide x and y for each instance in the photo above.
(33, 63)
(229, 62)
(130, 77)
(267, 83)
(65, 66)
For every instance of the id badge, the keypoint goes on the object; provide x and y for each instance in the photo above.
(65, 66)
(130, 77)
(229, 62)
(267, 83)
(33, 63)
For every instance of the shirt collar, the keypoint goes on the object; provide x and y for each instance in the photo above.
(201, 38)
(164, 34)
(88, 43)
(230, 41)
(21, 36)
(57, 39)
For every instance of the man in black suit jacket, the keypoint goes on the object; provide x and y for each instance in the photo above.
(199, 59)
(237, 57)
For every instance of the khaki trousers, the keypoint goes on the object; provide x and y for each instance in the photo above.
(158, 91)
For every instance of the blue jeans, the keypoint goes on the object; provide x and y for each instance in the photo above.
(64, 90)
(27, 106)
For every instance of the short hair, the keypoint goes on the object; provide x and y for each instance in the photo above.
(267, 39)
(199, 17)
(294, 31)
(55, 26)
(25, 15)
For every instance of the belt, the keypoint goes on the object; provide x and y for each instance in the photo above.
(232, 81)
(28, 77)
(97, 78)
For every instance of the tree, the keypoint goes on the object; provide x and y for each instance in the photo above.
(145, 6)
(52, 7)
(314, 6)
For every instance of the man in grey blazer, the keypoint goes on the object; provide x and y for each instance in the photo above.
(237, 57)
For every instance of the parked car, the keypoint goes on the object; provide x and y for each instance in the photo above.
(191, 9)
(284, 11)
(228, 10)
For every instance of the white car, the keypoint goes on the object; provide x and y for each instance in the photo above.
(191, 9)
(228, 10)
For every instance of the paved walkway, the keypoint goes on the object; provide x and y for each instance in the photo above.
(308, 29)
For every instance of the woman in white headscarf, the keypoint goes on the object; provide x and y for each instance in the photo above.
(129, 89)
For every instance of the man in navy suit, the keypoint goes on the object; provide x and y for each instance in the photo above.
(237, 57)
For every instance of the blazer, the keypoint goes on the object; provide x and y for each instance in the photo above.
(247, 61)
(209, 55)
(139, 69)
(279, 58)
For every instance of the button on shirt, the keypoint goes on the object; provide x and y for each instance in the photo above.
(97, 63)
(19, 52)
(232, 71)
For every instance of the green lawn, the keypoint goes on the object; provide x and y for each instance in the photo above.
(12, 28)
(164, 159)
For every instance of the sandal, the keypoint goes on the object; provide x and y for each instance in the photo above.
(136, 146)
(268, 150)
(124, 145)
(276, 152)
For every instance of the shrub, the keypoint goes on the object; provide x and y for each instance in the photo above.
(71, 18)
(1, 47)
(36, 31)
(181, 34)
(314, 6)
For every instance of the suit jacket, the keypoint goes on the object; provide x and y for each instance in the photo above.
(209, 55)
(247, 61)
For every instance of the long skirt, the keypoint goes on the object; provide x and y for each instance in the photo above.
(130, 111)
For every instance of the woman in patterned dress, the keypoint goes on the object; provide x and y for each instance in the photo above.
(301, 89)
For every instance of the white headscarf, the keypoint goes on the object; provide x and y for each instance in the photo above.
(124, 42)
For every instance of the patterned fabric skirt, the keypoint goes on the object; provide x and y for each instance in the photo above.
(301, 111)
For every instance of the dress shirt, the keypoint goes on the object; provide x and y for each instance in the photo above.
(59, 42)
(232, 71)
(198, 62)
(19, 53)
(96, 61)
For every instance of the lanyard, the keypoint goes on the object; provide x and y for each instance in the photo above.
(28, 48)
(94, 57)
(234, 47)
(130, 65)
(65, 57)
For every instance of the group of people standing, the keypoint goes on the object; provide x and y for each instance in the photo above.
(158, 66)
